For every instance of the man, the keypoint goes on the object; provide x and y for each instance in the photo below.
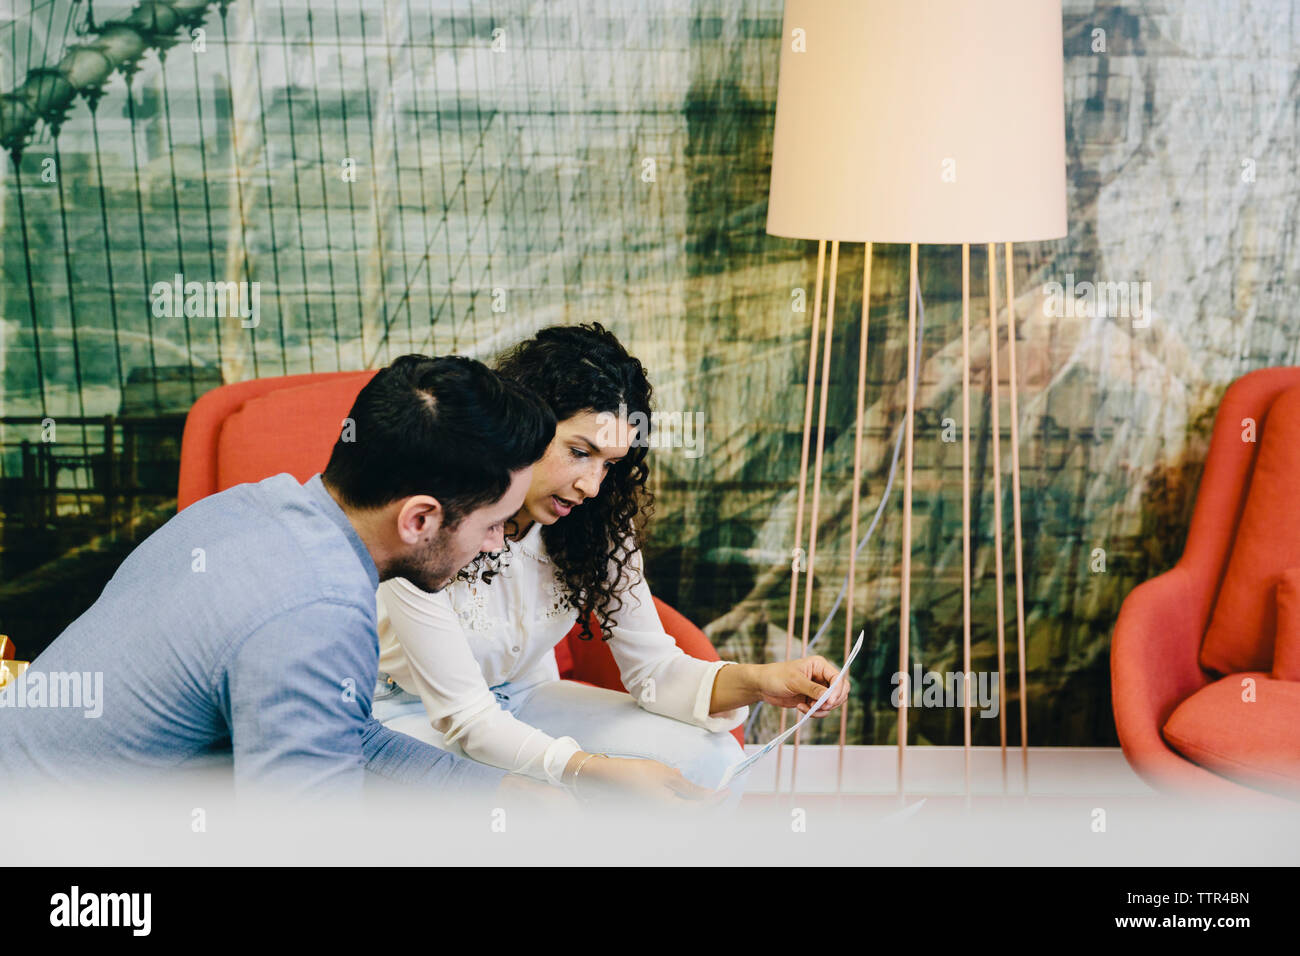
(248, 622)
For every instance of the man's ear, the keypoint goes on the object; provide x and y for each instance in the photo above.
(417, 517)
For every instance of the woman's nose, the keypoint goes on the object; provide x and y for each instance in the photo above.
(588, 484)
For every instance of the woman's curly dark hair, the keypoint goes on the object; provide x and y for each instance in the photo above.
(576, 369)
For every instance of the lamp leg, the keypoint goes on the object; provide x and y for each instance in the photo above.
(796, 557)
(905, 602)
(1015, 511)
(965, 507)
(856, 492)
(817, 476)
(997, 503)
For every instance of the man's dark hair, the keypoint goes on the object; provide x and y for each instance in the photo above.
(449, 427)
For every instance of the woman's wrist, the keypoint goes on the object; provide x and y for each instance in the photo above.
(580, 764)
(571, 768)
(735, 685)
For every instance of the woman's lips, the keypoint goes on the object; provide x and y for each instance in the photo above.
(562, 507)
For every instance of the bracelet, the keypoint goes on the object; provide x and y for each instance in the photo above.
(574, 782)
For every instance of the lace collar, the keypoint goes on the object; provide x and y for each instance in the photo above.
(470, 601)
(531, 544)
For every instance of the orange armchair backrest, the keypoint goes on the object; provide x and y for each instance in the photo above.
(252, 430)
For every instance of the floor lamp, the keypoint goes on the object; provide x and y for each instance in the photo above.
(918, 122)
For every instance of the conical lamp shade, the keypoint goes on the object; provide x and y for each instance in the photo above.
(928, 121)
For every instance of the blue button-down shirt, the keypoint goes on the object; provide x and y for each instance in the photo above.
(246, 623)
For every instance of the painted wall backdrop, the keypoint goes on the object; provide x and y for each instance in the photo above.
(408, 175)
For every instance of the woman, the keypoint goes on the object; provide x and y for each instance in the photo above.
(472, 669)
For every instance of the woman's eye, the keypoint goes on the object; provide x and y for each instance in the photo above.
(579, 454)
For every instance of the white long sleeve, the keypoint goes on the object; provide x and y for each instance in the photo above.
(431, 657)
(452, 648)
(662, 677)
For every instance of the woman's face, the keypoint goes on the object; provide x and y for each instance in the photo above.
(584, 449)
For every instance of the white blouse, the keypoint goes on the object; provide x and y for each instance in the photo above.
(450, 648)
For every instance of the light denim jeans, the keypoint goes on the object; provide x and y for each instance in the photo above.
(602, 721)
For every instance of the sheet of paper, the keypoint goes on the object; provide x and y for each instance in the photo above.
(742, 766)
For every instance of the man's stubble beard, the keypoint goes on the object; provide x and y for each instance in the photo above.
(430, 570)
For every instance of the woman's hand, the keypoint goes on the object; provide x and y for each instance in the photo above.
(799, 683)
(640, 779)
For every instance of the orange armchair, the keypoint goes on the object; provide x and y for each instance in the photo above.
(252, 430)
(1155, 651)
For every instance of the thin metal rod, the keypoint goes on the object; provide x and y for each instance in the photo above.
(393, 160)
(16, 156)
(1008, 265)
(207, 197)
(817, 477)
(997, 504)
(324, 195)
(283, 315)
(796, 562)
(965, 508)
(72, 301)
(176, 211)
(418, 122)
(905, 603)
(347, 151)
(379, 205)
(108, 254)
(243, 206)
(145, 273)
(856, 493)
(297, 193)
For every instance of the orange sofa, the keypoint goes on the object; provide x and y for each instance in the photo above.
(1197, 709)
(252, 430)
